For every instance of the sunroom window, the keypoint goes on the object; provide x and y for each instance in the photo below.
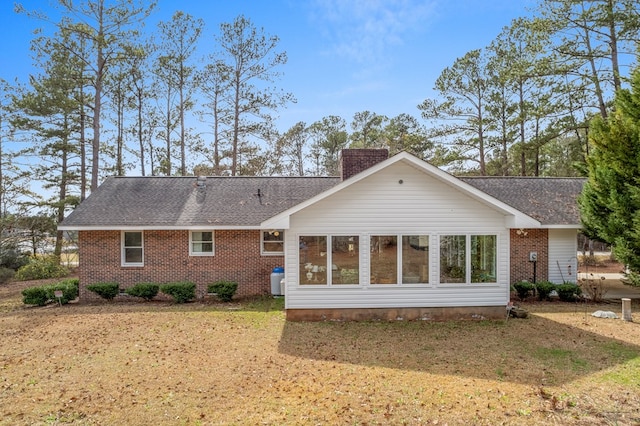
(339, 265)
(468, 258)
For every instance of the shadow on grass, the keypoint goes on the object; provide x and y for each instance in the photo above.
(534, 351)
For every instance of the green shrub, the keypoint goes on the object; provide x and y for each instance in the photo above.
(523, 289)
(105, 290)
(35, 296)
(568, 292)
(223, 289)
(68, 287)
(544, 289)
(180, 291)
(145, 290)
(40, 268)
(5, 274)
(47, 293)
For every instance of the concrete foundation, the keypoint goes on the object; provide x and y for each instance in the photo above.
(399, 314)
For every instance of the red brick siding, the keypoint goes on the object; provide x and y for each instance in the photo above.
(354, 161)
(521, 245)
(166, 259)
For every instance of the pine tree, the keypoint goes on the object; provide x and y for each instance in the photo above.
(610, 201)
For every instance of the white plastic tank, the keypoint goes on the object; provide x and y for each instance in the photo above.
(277, 275)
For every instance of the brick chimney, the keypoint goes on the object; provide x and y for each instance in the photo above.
(354, 161)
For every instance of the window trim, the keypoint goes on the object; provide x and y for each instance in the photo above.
(264, 252)
(123, 259)
(199, 253)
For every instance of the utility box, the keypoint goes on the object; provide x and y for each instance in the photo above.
(277, 275)
(533, 256)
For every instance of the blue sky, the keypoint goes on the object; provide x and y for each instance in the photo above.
(344, 56)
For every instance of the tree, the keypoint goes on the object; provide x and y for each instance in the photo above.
(367, 130)
(329, 137)
(405, 133)
(290, 151)
(251, 57)
(179, 39)
(105, 25)
(610, 201)
(460, 114)
(49, 113)
(592, 35)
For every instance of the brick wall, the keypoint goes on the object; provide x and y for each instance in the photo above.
(521, 245)
(166, 259)
(354, 161)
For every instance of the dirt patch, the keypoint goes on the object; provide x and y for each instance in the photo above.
(209, 364)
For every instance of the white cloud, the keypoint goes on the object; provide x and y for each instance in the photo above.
(365, 31)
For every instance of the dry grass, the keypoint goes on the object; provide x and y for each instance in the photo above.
(207, 364)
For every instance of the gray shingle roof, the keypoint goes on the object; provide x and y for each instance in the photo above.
(551, 201)
(234, 201)
(178, 202)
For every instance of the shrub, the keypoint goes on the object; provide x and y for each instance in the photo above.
(544, 289)
(5, 274)
(145, 290)
(35, 296)
(40, 268)
(180, 291)
(568, 292)
(68, 287)
(105, 290)
(523, 289)
(223, 289)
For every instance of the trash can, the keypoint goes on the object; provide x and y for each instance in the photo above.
(276, 276)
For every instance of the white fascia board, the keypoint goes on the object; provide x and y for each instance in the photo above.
(154, 228)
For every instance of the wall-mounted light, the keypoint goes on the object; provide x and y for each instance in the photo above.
(522, 232)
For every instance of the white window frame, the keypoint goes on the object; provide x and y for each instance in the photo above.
(202, 253)
(468, 272)
(123, 259)
(264, 252)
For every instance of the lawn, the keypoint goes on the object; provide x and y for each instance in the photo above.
(242, 363)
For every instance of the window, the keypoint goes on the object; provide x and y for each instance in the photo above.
(272, 242)
(468, 259)
(483, 258)
(453, 259)
(340, 265)
(201, 243)
(345, 260)
(415, 259)
(313, 260)
(132, 248)
(384, 259)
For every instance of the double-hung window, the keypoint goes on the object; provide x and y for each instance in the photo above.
(272, 243)
(132, 248)
(201, 243)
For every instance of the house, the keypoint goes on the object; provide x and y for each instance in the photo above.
(393, 238)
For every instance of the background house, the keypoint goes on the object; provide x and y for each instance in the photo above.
(394, 237)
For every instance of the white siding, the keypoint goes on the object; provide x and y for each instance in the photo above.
(563, 246)
(381, 205)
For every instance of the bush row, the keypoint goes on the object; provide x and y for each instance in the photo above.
(181, 291)
(567, 292)
(44, 294)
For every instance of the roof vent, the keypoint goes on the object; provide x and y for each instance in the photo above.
(201, 182)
